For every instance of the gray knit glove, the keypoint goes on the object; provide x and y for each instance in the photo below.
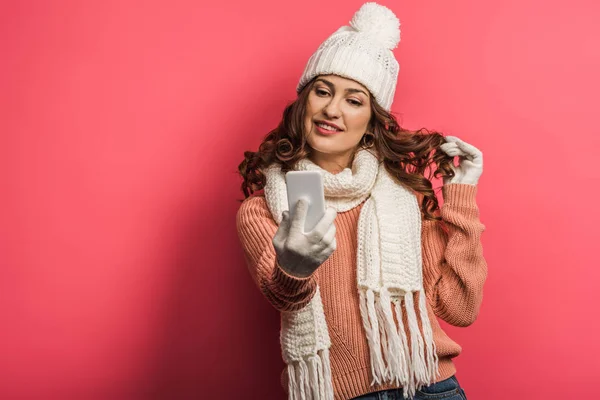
(298, 253)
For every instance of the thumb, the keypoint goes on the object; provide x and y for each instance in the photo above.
(284, 226)
(286, 218)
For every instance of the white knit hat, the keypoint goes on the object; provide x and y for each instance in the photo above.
(362, 52)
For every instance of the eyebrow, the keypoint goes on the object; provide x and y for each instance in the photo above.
(349, 90)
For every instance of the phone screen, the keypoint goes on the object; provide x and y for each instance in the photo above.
(308, 185)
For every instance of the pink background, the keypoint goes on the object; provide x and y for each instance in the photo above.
(122, 125)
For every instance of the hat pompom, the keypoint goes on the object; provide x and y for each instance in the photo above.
(379, 22)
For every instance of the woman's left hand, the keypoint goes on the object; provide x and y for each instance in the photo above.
(470, 165)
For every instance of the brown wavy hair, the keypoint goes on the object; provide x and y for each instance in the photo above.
(407, 155)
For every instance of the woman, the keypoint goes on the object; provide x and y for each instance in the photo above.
(360, 294)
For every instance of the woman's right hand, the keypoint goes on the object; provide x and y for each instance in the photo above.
(298, 253)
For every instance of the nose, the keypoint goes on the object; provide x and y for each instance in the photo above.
(332, 109)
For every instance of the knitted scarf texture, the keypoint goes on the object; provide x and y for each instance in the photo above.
(389, 271)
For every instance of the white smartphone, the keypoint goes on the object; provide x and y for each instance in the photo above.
(308, 185)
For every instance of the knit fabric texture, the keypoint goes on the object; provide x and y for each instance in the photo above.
(361, 51)
(389, 272)
(454, 272)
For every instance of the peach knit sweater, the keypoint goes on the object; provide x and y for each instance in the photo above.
(454, 272)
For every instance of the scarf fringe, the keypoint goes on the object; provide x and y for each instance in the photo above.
(371, 325)
(432, 357)
(392, 359)
(310, 379)
(394, 351)
(408, 373)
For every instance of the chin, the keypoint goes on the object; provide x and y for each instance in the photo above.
(330, 145)
(322, 146)
(328, 148)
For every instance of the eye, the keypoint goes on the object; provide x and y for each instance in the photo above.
(321, 92)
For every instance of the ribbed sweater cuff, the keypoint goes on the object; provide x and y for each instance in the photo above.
(459, 194)
(289, 283)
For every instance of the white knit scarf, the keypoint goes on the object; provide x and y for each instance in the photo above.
(389, 271)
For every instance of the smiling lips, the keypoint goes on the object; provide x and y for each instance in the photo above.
(325, 131)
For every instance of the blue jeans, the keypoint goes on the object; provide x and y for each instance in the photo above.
(448, 389)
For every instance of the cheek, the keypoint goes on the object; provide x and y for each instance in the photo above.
(308, 125)
(359, 123)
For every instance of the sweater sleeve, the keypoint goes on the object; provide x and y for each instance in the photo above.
(256, 229)
(454, 269)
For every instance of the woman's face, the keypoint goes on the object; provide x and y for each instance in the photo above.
(344, 103)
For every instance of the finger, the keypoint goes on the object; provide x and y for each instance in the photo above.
(448, 146)
(452, 149)
(455, 152)
(455, 142)
(451, 139)
(299, 217)
(285, 219)
(466, 147)
(469, 148)
(448, 143)
(468, 151)
(329, 237)
(283, 226)
(325, 222)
